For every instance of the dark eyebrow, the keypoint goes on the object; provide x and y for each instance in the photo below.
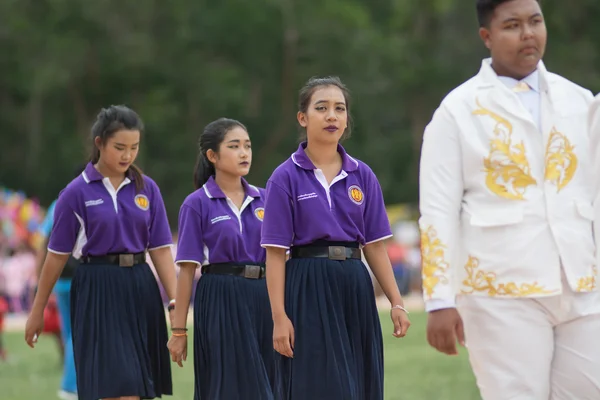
(515, 19)
(124, 145)
(325, 101)
(234, 141)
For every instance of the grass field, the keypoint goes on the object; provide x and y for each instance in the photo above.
(413, 371)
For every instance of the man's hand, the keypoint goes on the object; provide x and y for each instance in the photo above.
(444, 329)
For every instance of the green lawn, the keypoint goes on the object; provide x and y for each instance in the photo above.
(413, 371)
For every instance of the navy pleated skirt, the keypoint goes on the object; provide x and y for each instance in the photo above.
(119, 333)
(234, 357)
(338, 352)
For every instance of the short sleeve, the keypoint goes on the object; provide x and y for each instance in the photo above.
(278, 223)
(377, 224)
(65, 228)
(160, 232)
(190, 245)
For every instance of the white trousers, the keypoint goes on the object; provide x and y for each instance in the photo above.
(534, 349)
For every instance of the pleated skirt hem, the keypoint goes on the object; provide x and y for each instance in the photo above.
(234, 357)
(338, 353)
(119, 333)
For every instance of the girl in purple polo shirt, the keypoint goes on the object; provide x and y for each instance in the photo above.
(219, 229)
(327, 208)
(108, 217)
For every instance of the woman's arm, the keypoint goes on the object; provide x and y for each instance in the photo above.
(185, 283)
(162, 258)
(51, 270)
(380, 264)
(283, 330)
(276, 280)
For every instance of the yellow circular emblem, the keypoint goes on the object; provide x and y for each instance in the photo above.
(356, 194)
(259, 213)
(142, 202)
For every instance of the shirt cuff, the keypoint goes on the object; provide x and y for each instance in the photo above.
(179, 262)
(439, 304)
(275, 242)
(60, 253)
(160, 246)
(381, 237)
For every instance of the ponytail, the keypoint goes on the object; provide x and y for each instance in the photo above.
(95, 155)
(203, 170)
(137, 176)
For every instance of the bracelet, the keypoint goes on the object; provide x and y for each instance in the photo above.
(171, 305)
(179, 329)
(179, 334)
(399, 307)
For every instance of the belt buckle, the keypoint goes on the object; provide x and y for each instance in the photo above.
(125, 260)
(252, 271)
(337, 253)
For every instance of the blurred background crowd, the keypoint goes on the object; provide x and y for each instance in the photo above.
(20, 240)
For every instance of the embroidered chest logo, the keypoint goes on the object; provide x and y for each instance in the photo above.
(507, 169)
(91, 203)
(142, 202)
(561, 161)
(259, 213)
(356, 194)
(307, 196)
(220, 218)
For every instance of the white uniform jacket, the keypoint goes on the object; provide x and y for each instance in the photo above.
(502, 204)
(594, 129)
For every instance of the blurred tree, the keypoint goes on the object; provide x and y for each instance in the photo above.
(183, 63)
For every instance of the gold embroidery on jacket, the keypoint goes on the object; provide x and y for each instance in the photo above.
(587, 283)
(481, 281)
(561, 161)
(508, 173)
(433, 261)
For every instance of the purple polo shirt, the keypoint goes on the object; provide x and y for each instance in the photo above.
(91, 218)
(302, 208)
(213, 230)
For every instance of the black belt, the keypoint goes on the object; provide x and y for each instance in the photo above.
(122, 260)
(249, 271)
(339, 253)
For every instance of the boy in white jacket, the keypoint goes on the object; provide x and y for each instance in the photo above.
(506, 219)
